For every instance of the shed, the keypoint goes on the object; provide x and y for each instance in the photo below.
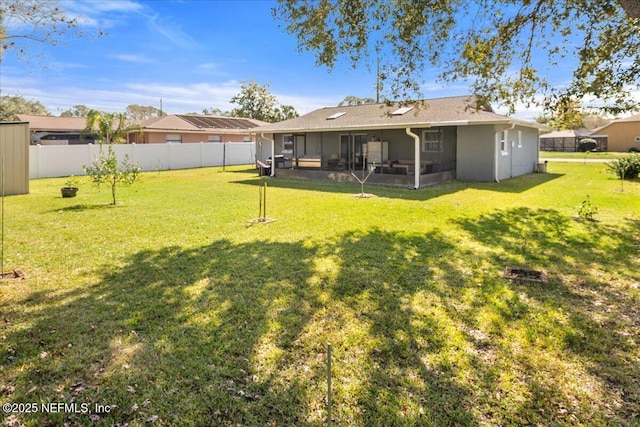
(14, 149)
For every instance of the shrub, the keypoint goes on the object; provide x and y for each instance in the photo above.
(586, 210)
(626, 167)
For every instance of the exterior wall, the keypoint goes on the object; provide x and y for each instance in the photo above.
(14, 148)
(475, 153)
(524, 156)
(161, 137)
(622, 135)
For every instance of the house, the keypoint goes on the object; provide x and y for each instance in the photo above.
(174, 128)
(569, 140)
(186, 128)
(409, 145)
(622, 135)
(50, 130)
(14, 158)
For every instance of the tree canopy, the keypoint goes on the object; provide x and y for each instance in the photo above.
(256, 102)
(505, 50)
(79, 110)
(142, 112)
(42, 21)
(12, 105)
(354, 100)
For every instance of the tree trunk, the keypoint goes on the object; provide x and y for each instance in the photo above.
(631, 7)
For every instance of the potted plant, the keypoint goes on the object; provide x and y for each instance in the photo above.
(70, 187)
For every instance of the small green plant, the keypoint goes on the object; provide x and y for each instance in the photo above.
(72, 182)
(587, 211)
(106, 170)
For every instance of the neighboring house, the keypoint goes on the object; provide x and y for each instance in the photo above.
(186, 128)
(174, 128)
(50, 130)
(622, 135)
(568, 140)
(412, 145)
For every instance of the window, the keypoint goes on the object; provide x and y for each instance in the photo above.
(174, 138)
(287, 141)
(502, 140)
(246, 139)
(215, 138)
(336, 115)
(401, 111)
(431, 141)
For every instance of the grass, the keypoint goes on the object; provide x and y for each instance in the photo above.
(604, 155)
(171, 309)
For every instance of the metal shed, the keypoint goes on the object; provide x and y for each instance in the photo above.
(14, 149)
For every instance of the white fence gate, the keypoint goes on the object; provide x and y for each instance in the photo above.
(63, 160)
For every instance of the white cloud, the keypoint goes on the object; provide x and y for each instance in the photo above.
(133, 57)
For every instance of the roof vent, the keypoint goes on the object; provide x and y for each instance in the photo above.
(336, 115)
(401, 111)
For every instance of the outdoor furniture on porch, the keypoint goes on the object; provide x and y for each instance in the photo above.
(263, 169)
(314, 162)
(335, 163)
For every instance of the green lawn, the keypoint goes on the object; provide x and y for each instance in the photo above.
(176, 310)
(605, 155)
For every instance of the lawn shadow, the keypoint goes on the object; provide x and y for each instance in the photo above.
(513, 185)
(421, 325)
(81, 207)
(588, 305)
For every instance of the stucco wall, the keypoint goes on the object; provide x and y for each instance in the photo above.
(475, 153)
(161, 137)
(622, 135)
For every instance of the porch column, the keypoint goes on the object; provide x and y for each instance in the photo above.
(273, 153)
(416, 149)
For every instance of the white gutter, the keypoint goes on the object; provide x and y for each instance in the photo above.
(497, 150)
(273, 153)
(416, 148)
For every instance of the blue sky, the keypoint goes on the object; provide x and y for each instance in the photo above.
(190, 54)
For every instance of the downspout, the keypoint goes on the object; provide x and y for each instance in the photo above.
(416, 155)
(497, 151)
(273, 153)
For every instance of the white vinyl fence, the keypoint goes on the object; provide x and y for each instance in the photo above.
(64, 160)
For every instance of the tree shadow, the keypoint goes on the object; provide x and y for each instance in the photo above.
(513, 185)
(236, 332)
(81, 207)
(585, 314)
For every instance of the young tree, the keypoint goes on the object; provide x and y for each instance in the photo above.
(109, 128)
(12, 105)
(492, 45)
(106, 170)
(255, 102)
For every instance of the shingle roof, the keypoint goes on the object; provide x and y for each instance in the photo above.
(459, 110)
(52, 123)
(577, 133)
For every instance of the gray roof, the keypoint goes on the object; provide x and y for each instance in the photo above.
(451, 111)
(573, 133)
